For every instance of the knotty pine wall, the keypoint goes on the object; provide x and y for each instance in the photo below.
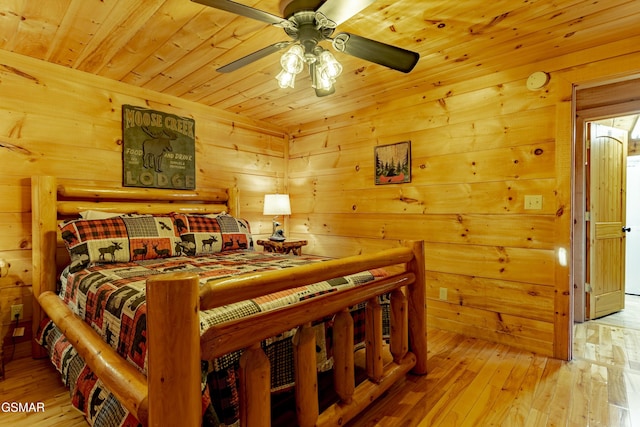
(478, 147)
(56, 121)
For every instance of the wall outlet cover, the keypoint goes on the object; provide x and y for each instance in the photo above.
(16, 310)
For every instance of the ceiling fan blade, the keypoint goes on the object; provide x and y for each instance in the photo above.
(246, 60)
(377, 52)
(240, 9)
(339, 11)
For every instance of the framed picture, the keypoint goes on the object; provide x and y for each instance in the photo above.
(158, 149)
(393, 163)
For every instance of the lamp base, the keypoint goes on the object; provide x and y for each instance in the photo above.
(277, 235)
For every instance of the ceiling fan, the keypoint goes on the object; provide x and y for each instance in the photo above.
(307, 23)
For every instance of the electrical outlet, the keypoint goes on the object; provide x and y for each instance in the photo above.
(443, 294)
(16, 310)
(533, 202)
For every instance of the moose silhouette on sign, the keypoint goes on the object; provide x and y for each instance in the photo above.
(154, 148)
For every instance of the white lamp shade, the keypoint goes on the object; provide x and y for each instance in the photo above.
(276, 204)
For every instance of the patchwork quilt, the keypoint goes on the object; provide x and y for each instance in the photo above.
(110, 297)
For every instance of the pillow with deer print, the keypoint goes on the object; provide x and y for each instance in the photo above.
(120, 239)
(205, 234)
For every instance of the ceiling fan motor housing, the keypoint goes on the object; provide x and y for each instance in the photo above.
(291, 7)
(307, 32)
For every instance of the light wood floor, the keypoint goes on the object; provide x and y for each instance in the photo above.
(470, 383)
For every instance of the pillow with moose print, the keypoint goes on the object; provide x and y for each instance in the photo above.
(206, 234)
(119, 239)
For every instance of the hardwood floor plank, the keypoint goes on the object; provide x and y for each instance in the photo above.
(485, 401)
(522, 407)
(503, 389)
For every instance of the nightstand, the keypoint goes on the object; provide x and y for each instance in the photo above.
(293, 246)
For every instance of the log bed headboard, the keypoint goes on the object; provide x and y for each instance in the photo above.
(54, 200)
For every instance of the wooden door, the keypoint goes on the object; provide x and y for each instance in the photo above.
(606, 203)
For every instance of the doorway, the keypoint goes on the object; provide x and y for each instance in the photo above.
(614, 105)
(632, 272)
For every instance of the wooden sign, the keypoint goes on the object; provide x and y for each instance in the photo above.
(158, 149)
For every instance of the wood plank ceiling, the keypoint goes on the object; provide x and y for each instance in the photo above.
(175, 46)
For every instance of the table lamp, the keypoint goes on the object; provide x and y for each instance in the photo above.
(276, 204)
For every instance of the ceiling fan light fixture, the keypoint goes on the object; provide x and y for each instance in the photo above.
(329, 67)
(285, 79)
(292, 60)
(308, 23)
(318, 81)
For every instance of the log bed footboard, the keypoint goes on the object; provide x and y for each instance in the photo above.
(170, 394)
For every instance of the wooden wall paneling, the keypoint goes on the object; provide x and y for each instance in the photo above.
(530, 231)
(500, 197)
(430, 108)
(15, 232)
(511, 129)
(519, 162)
(515, 264)
(500, 296)
(341, 246)
(486, 324)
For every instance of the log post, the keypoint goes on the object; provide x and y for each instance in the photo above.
(373, 340)
(399, 329)
(306, 376)
(343, 363)
(44, 228)
(255, 387)
(417, 295)
(173, 336)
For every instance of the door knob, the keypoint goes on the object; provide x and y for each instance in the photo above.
(626, 229)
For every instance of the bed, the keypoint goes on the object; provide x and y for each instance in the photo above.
(163, 376)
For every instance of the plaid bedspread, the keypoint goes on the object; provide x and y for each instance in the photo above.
(111, 299)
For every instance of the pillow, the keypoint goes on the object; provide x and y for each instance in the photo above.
(119, 239)
(206, 234)
(93, 214)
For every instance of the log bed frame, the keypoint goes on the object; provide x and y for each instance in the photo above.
(170, 394)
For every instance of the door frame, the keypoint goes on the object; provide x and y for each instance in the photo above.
(578, 261)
